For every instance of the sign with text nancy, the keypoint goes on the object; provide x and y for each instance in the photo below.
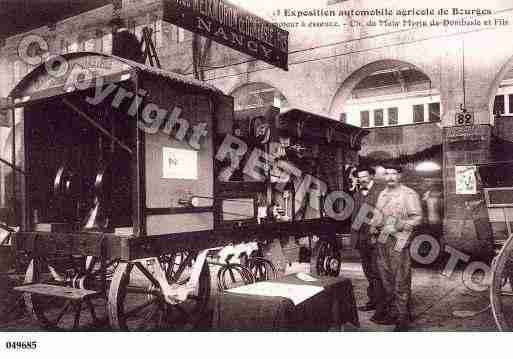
(231, 26)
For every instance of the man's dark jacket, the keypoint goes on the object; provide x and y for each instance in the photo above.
(361, 237)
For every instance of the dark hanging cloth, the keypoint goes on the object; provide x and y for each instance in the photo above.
(430, 153)
(332, 307)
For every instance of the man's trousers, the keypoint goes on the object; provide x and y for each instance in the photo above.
(368, 256)
(394, 267)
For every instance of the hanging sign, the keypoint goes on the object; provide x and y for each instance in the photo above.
(464, 118)
(231, 26)
(466, 133)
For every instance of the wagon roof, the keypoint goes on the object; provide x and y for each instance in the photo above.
(40, 83)
(299, 114)
(168, 75)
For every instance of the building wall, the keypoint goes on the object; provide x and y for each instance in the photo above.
(465, 66)
(324, 73)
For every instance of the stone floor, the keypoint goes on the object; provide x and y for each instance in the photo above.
(436, 302)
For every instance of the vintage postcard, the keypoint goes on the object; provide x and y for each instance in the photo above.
(254, 166)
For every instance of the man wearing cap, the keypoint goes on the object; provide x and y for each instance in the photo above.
(399, 211)
(367, 193)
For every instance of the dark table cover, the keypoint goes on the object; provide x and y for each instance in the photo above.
(332, 307)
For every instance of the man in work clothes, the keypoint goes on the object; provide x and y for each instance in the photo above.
(367, 193)
(399, 211)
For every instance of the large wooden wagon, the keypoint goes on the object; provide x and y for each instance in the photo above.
(497, 183)
(130, 175)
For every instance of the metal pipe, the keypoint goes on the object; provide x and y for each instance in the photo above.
(14, 207)
(12, 166)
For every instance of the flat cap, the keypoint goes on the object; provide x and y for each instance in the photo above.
(392, 166)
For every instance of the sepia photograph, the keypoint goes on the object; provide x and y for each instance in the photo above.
(332, 169)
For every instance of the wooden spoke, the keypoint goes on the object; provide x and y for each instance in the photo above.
(500, 294)
(171, 262)
(232, 276)
(134, 311)
(133, 305)
(140, 290)
(261, 271)
(54, 312)
(147, 274)
(183, 264)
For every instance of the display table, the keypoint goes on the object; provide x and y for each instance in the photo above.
(333, 306)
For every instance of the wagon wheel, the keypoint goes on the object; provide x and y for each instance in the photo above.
(136, 302)
(326, 258)
(262, 269)
(232, 275)
(56, 313)
(170, 263)
(501, 290)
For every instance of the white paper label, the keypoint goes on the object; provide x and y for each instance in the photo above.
(295, 292)
(465, 179)
(179, 163)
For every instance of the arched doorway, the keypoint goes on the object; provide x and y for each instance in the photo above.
(397, 102)
(501, 109)
(501, 144)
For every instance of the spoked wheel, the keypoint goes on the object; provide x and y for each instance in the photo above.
(262, 269)
(232, 275)
(136, 302)
(170, 263)
(326, 258)
(56, 313)
(501, 290)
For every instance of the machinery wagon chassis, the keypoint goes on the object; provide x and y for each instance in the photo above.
(88, 280)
